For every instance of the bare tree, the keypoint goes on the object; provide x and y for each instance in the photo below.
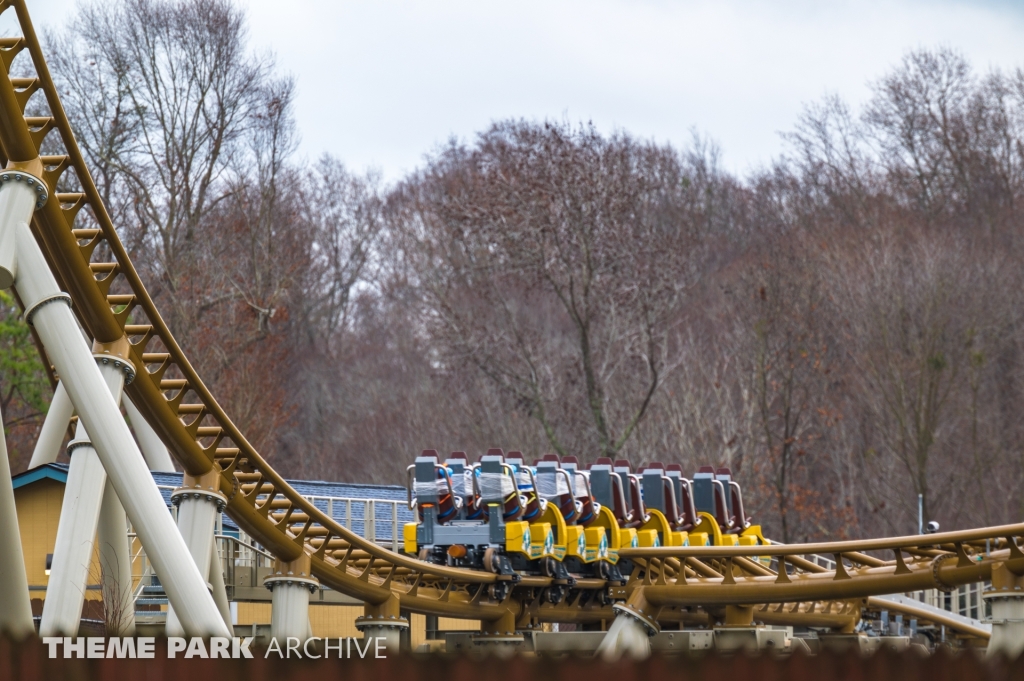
(343, 213)
(161, 95)
(553, 260)
(911, 330)
(790, 359)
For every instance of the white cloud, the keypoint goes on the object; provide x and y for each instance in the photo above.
(382, 82)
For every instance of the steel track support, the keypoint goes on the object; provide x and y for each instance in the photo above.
(636, 621)
(384, 622)
(15, 607)
(116, 565)
(16, 205)
(1007, 599)
(59, 414)
(84, 516)
(153, 448)
(199, 501)
(51, 436)
(48, 310)
(220, 592)
(291, 583)
(499, 636)
(76, 530)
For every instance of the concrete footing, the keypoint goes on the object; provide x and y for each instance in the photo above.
(862, 643)
(749, 639)
(499, 637)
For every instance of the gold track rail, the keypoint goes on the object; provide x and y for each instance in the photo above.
(111, 303)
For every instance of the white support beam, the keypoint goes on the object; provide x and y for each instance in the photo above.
(1006, 598)
(116, 566)
(220, 592)
(629, 635)
(15, 606)
(291, 584)
(199, 501)
(48, 309)
(90, 509)
(76, 530)
(16, 205)
(384, 623)
(55, 425)
(153, 448)
(77, 527)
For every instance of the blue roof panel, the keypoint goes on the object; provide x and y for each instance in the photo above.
(350, 514)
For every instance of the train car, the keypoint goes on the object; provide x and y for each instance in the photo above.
(556, 519)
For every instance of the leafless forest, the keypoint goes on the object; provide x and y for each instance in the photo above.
(845, 328)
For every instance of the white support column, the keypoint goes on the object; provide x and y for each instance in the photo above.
(51, 436)
(385, 623)
(199, 501)
(90, 508)
(116, 566)
(1007, 599)
(48, 309)
(153, 448)
(76, 530)
(220, 592)
(291, 583)
(15, 606)
(73, 549)
(629, 635)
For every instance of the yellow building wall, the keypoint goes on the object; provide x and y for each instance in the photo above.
(418, 626)
(339, 621)
(335, 621)
(328, 621)
(253, 613)
(38, 507)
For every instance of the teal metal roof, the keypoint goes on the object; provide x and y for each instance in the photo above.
(50, 471)
(352, 515)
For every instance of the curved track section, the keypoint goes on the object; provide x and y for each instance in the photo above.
(111, 302)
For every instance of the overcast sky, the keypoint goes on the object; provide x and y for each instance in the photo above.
(382, 82)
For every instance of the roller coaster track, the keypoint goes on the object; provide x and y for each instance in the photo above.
(112, 304)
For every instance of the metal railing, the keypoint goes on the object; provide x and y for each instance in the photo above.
(244, 561)
(965, 600)
(368, 522)
(379, 520)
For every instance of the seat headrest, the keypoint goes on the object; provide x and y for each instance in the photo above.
(430, 452)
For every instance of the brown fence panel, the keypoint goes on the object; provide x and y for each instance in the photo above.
(29, 661)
